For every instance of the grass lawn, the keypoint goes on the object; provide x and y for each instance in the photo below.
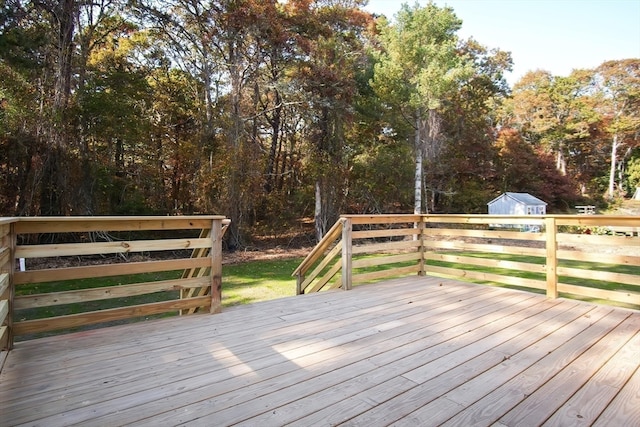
(258, 281)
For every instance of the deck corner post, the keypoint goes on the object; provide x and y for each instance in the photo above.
(347, 252)
(216, 266)
(552, 257)
(12, 287)
(7, 287)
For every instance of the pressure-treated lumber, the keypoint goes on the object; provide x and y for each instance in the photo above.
(108, 315)
(410, 351)
(457, 245)
(33, 225)
(107, 270)
(199, 273)
(116, 247)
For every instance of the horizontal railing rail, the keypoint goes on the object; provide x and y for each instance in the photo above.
(83, 271)
(595, 256)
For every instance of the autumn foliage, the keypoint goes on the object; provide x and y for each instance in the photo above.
(269, 112)
(532, 171)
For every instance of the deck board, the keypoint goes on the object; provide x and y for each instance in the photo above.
(412, 351)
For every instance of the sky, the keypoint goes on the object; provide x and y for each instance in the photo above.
(553, 35)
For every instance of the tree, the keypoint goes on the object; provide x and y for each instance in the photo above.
(21, 43)
(618, 85)
(74, 28)
(333, 47)
(555, 115)
(417, 66)
(57, 20)
(465, 174)
(47, 44)
(220, 44)
(633, 173)
(524, 169)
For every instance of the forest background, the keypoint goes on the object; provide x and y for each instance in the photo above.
(270, 112)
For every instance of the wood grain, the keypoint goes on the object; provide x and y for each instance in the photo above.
(486, 247)
(486, 234)
(73, 249)
(409, 351)
(107, 270)
(386, 259)
(4, 286)
(108, 292)
(487, 262)
(93, 317)
(32, 225)
(4, 311)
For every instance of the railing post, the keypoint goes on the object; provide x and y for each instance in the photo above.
(299, 280)
(347, 252)
(216, 266)
(12, 292)
(421, 248)
(552, 257)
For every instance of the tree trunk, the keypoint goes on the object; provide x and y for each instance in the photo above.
(274, 121)
(50, 198)
(419, 142)
(330, 178)
(319, 214)
(612, 169)
(234, 185)
(417, 187)
(428, 147)
(561, 161)
(56, 199)
(64, 16)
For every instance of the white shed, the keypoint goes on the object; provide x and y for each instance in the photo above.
(517, 204)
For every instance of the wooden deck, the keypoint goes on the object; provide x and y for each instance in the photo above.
(416, 351)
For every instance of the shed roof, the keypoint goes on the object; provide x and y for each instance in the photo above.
(524, 198)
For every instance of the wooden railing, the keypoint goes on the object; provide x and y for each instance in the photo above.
(593, 256)
(178, 259)
(7, 245)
